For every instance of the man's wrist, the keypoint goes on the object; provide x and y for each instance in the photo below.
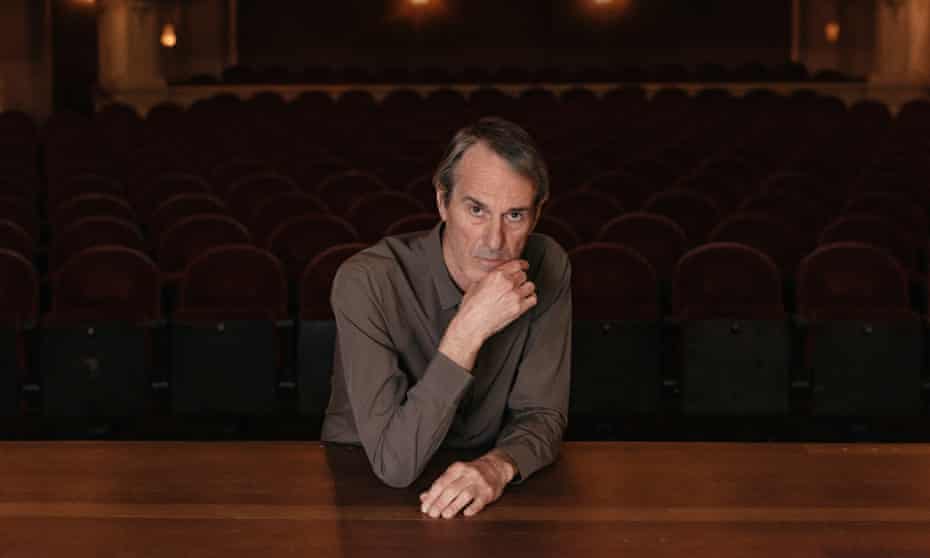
(505, 464)
(461, 345)
(464, 333)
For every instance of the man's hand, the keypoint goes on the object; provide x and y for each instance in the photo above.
(502, 296)
(474, 484)
(490, 305)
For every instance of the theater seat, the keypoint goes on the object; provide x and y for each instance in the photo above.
(97, 338)
(621, 185)
(412, 223)
(880, 232)
(695, 212)
(20, 211)
(615, 335)
(70, 187)
(772, 236)
(276, 209)
(423, 190)
(864, 345)
(245, 194)
(191, 236)
(179, 207)
(90, 205)
(93, 231)
(19, 310)
(149, 195)
(586, 211)
(559, 230)
(341, 190)
(226, 349)
(655, 237)
(15, 238)
(300, 239)
(735, 343)
(372, 214)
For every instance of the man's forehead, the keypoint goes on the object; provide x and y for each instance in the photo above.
(485, 176)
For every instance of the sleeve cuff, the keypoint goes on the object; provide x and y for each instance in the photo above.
(525, 460)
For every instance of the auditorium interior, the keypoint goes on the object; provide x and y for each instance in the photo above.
(743, 189)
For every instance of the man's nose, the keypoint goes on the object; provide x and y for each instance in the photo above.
(494, 235)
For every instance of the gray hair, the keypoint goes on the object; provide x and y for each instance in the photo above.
(509, 141)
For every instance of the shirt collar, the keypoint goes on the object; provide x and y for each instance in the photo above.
(449, 293)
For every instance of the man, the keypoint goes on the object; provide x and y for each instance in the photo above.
(460, 336)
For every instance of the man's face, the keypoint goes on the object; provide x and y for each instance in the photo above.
(489, 216)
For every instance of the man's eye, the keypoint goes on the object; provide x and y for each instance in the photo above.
(515, 215)
(475, 210)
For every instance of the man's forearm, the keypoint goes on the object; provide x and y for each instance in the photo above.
(461, 345)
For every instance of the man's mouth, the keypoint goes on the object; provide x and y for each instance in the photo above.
(491, 262)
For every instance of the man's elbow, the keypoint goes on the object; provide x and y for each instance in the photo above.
(397, 476)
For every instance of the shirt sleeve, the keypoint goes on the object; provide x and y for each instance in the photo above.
(400, 427)
(537, 407)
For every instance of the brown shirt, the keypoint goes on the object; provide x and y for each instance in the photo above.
(401, 399)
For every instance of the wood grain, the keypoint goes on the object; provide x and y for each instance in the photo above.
(599, 499)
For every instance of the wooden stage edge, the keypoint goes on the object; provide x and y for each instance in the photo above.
(600, 499)
(503, 512)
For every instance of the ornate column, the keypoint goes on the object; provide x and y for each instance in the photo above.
(26, 56)
(129, 45)
(903, 37)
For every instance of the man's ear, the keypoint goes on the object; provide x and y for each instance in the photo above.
(441, 204)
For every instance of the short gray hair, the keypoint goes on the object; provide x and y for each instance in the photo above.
(509, 141)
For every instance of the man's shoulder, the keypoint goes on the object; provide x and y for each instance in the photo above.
(382, 260)
(374, 259)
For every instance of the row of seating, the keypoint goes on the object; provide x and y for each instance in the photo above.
(751, 72)
(697, 203)
(727, 181)
(854, 339)
(295, 228)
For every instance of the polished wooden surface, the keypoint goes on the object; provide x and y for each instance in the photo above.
(600, 499)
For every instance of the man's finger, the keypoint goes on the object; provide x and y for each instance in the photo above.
(526, 289)
(460, 501)
(476, 506)
(450, 475)
(527, 303)
(513, 266)
(448, 495)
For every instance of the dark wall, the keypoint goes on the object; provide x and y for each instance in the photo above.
(530, 33)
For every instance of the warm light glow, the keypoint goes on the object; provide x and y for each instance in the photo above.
(84, 2)
(609, 6)
(168, 37)
(419, 12)
(832, 32)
